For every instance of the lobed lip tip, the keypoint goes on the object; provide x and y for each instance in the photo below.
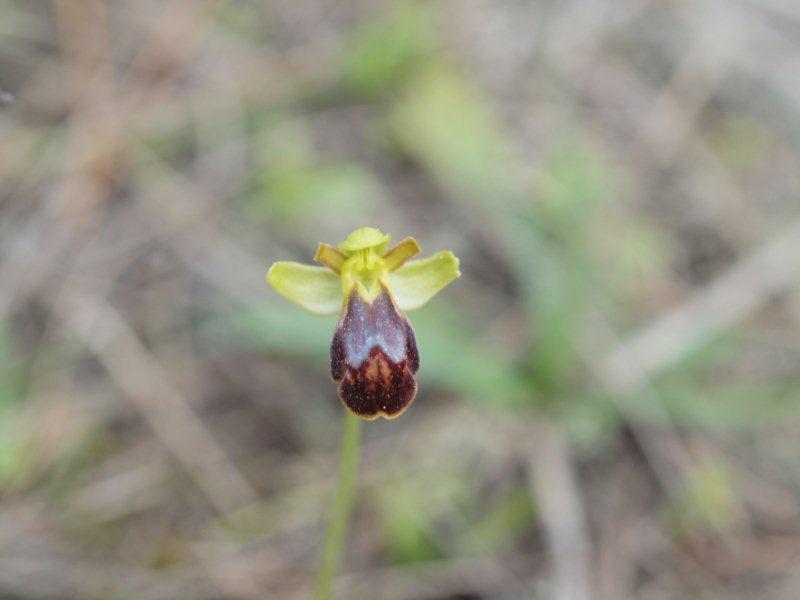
(389, 416)
(380, 414)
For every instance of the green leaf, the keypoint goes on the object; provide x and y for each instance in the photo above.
(407, 517)
(290, 181)
(728, 405)
(416, 282)
(444, 123)
(709, 501)
(317, 289)
(502, 523)
(385, 51)
(455, 354)
(293, 193)
(12, 380)
(279, 328)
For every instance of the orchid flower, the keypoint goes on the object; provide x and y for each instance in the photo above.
(374, 354)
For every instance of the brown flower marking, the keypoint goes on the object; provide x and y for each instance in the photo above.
(374, 357)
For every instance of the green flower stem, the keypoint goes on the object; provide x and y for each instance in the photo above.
(333, 547)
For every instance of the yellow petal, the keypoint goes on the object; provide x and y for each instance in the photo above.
(397, 256)
(316, 289)
(330, 257)
(363, 238)
(416, 282)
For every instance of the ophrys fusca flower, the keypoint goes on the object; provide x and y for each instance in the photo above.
(374, 352)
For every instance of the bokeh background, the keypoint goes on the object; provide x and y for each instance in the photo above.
(609, 404)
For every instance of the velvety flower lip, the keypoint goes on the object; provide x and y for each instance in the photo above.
(374, 354)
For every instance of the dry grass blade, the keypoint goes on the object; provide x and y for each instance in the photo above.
(162, 405)
(553, 481)
(766, 272)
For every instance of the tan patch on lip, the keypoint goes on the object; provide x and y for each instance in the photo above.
(372, 372)
(377, 372)
(378, 388)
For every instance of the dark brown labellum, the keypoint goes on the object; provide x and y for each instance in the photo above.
(374, 357)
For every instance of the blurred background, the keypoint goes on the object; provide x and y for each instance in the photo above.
(609, 404)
